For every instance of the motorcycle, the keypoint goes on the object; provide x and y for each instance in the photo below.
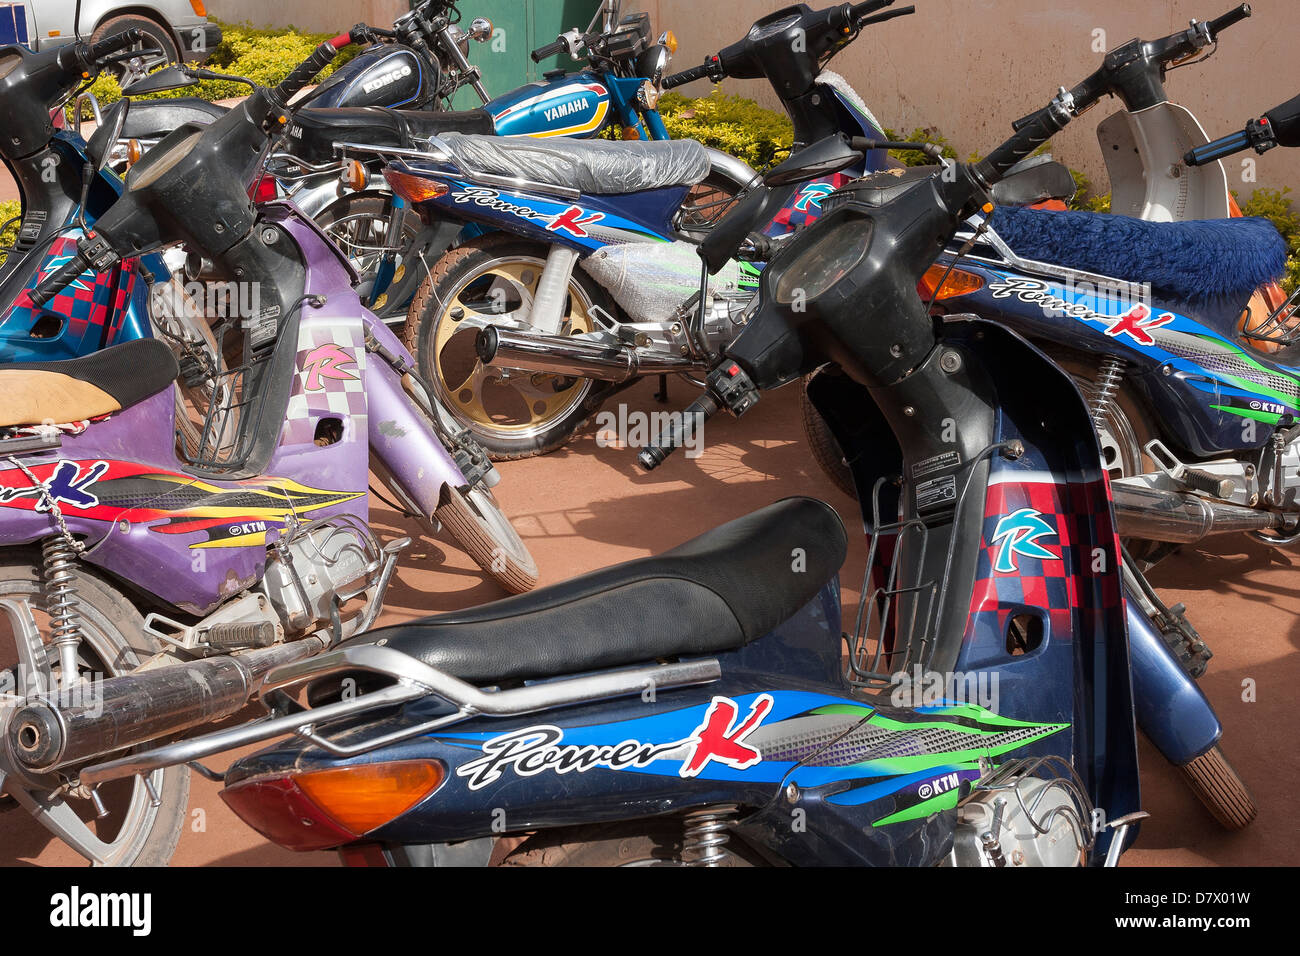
(559, 335)
(151, 584)
(728, 732)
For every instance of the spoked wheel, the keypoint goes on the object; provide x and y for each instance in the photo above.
(135, 832)
(1216, 784)
(475, 520)
(156, 38)
(492, 281)
(358, 225)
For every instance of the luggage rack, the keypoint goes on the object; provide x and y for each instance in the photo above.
(219, 438)
(897, 626)
(1281, 327)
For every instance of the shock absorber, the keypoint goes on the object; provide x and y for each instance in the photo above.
(1109, 378)
(58, 557)
(705, 836)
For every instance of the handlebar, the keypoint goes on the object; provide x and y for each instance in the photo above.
(110, 45)
(1280, 126)
(679, 431)
(92, 253)
(1221, 147)
(306, 71)
(710, 69)
(1228, 19)
(550, 50)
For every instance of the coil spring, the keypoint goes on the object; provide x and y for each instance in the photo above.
(704, 838)
(58, 557)
(1109, 378)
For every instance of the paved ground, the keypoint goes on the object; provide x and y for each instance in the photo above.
(585, 507)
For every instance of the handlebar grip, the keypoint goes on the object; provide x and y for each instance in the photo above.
(110, 45)
(861, 10)
(1044, 124)
(58, 280)
(887, 15)
(678, 431)
(550, 50)
(689, 76)
(1221, 147)
(1235, 15)
(306, 71)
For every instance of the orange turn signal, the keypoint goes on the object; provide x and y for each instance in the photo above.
(354, 175)
(957, 283)
(362, 798)
(133, 151)
(414, 188)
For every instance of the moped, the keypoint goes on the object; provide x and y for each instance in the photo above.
(149, 582)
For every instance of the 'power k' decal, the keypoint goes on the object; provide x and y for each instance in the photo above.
(572, 220)
(720, 738)
(1019, 533)
(1137, 323)
(67, 486)
(326, 362)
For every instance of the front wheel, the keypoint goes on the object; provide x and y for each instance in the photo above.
(135, 832)
(1218, 786)
(358, 224)
(475, 520)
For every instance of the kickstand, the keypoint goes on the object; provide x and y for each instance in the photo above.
(661, 396)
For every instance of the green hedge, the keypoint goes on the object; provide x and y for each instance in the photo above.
(8, 209)
(1274, 206)
(264, 56)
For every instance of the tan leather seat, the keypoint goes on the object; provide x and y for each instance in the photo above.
(37, 393)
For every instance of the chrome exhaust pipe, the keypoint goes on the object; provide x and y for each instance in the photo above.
(1177, 517)
(49, 732)
(563, 355)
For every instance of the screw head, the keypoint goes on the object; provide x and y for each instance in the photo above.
(909, 411)
(950, 361)
(791, 793)
(895, 350)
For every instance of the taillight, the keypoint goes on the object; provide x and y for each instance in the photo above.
(318, 809)
(264, 189)
(413, 188)
(957, 283)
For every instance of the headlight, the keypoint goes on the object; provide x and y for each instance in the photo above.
(825, 262)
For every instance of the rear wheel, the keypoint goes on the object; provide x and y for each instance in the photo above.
(492, 280)
(358, 225)
(135, 832)
(1217, 785)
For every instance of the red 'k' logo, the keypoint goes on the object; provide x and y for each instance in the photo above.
(720, 738)
(572, 220)
(324, 362)
(1138, 323)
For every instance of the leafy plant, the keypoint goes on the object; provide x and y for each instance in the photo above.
(1273, 205)
(732, 124)
(9, 208)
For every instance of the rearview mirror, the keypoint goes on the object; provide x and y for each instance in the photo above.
(822, 158)
(170, 78)
(109, 131)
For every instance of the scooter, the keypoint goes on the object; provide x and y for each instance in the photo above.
(150, 585)
(581, 285)
(728, 731)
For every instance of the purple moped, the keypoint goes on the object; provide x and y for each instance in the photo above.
(155, 574)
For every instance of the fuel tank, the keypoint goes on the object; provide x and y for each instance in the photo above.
(578, 105)
(388, 74)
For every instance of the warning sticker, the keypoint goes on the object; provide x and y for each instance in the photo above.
(936, 493)
(949, 459)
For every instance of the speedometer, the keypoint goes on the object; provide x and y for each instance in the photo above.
(146, 173)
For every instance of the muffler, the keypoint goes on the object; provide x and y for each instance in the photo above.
(49, 732)
(1154, 514)
(563, 355)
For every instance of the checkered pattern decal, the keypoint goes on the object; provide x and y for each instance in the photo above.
(85, 303)
(805, 207)
(1067, 520)
(330, 380)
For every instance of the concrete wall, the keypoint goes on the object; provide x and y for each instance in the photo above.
(969, 67)
(319, 16)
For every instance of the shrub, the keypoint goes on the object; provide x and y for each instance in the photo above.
(730, 123)
(264, 56)
(9, 208)
(1273, 205)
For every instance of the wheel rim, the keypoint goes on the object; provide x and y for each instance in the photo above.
(118, 838)
(484, 505)
(497, 403)
(361, 236)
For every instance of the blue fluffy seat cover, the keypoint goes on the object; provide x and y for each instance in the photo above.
(1196, 260)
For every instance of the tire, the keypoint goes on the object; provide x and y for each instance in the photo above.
(636, 842)
(356, 224)
(157, 36)
(707, 202)
(115, 643)
(502, 413)
(825, 449)
(476, 521)
(1216, 784)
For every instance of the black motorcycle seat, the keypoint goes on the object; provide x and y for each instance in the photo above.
(1032, 181)
(316, 130)
(597, 166)
(154, 119)
(72, 390)
(716, 592)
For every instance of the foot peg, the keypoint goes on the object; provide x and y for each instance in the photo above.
(241, 634)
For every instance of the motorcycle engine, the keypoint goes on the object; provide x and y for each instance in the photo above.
(1032, 822)
(306, 573)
